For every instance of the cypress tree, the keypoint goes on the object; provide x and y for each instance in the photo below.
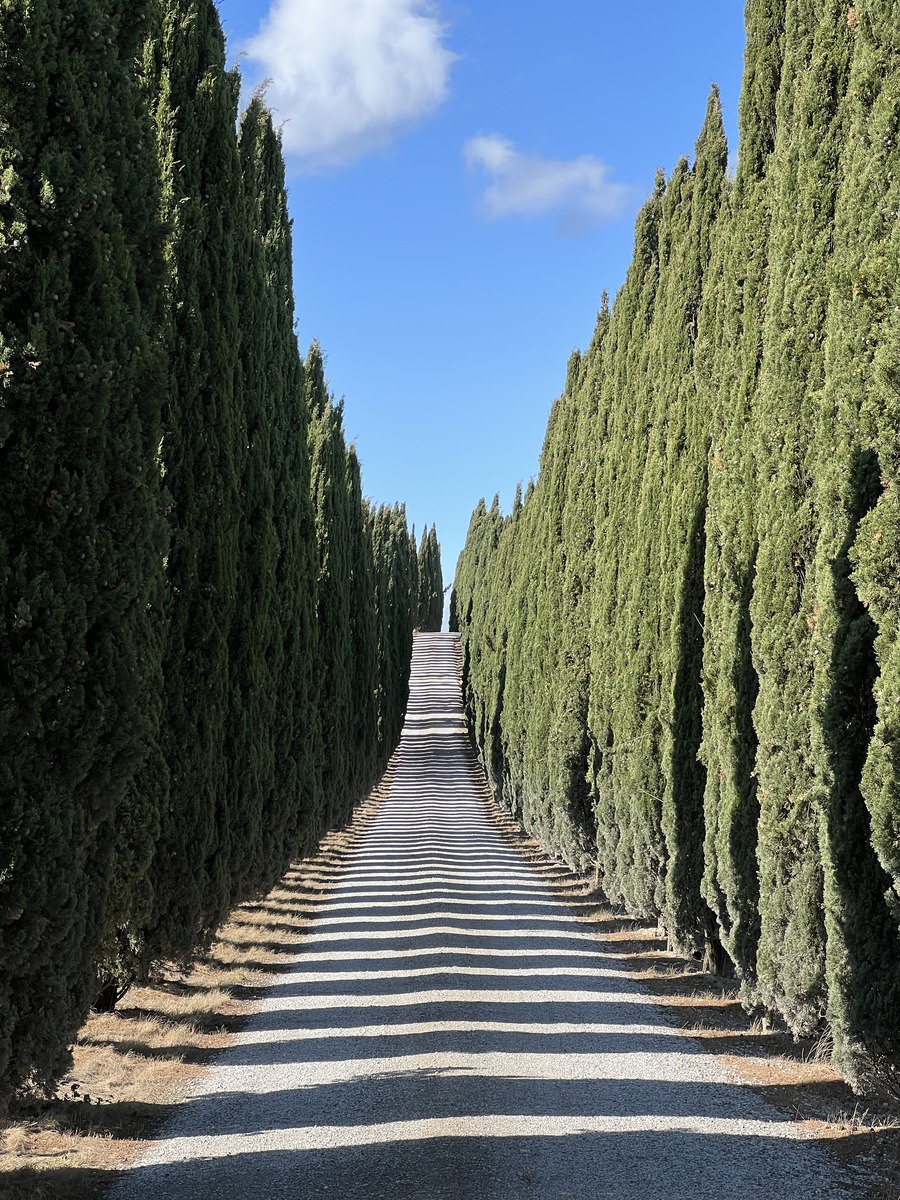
(395, 609)
(296, 735)
(803, 182)
(464, 586)
(629, 837)
(203, 206)
(637, 778)
(429, 583)
(727, 367)
(415, 570)
(550, 811)
(481, 541)
(438, 589)
(402, 610)
(569, 745)
(255, 636)
(494, 718)
(543, 553)
(453, 618)
(421, 581)
(854, 631)
(517, 602)
(331, 504)
(481, 647)
(363, 641)
(437, 581)
(378, 527)
(688, 919)
(81, 536)
(275, 743)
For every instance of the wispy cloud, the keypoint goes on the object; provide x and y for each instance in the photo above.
(348, 75)
(523, 185)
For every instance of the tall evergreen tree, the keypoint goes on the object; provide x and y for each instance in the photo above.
(414, 563)
(689, 921)
(500, 729)
(638, 781)
(803, 182)
(395, 605)
(630, 842)
(365, 765)
(429, 583)
(551, 812)
(296, 731)
(437, 580)
(857, 421)
(81, 535)
(453, 618)
(569, 747)
(332, 506)
(727, 368)
(195, 107)
(402, 601)
(255, 636)
(467, 582)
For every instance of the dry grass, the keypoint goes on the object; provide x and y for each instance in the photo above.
(794, 1075)
(132, 1065)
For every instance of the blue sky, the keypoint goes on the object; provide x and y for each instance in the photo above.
(464, 181)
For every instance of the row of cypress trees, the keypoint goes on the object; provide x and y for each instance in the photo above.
(681, 651)
(206, 631)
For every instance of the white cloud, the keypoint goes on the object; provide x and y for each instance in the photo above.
(347, 75)
(524, 185)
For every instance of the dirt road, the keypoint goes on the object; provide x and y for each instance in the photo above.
(450, 1032)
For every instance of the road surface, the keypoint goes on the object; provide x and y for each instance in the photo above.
(450, 1032)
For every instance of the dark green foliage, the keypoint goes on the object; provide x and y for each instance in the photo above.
(726, 371)
(332, 498)
(367, 594)
(255, 639)
(624, 701)
(685, 410)
(429, 584)
(395, 603)
(296, 736)
(684, 642)
(195, 105)
(568, 739)
(81, 535)
(365, 765)
(415, 564)
(474, 576)
(544, 691)
(266, 773)
(857, 460)
(273, 629)
(206, 644)
(453, 618)
(802, 181)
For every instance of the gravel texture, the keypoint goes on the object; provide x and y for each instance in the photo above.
(450, 1032)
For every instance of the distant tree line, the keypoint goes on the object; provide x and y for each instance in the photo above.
(206, 630)
(429, 584)
(682, 647)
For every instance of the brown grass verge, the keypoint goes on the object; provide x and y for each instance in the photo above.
(132, 1066)
(794, 1075)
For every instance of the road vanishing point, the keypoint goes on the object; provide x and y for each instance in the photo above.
(450, 1031)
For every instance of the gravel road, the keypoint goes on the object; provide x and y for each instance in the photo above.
(450, 1032)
